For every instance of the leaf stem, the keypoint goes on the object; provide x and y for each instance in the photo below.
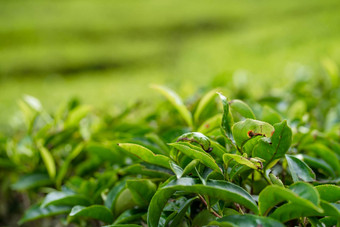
(210, 209)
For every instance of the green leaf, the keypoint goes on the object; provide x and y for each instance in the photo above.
(326, 154)
(123, 225)
(242, 160)
(48, 160)
(179, 171)
(299, 169)
(139, 169)
(124, 202)
(329, 193)
(290, 211)
(215, 189)
(299, 193)
(277, 146)
(190, 167)
(275, 180)
(146, 155)
(63, 170)
(203, 218)
(202, 156)
(31, 181)
(242, 130)
(176, 169)
(177, 102)
(142, 190)
(226, 117)
(36, 212)
(65, 199)
(210, 124)
(319, 164)
(270, 115)
(75, 116)
(180, 213)
(196, 137)
(217, 150)
(203, 103)
(242, 108)
(129, 216)
(98, 212)
(113, 194)
(246, 220)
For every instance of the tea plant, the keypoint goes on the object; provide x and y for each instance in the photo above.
(214, 162)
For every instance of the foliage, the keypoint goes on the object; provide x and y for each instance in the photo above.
(206, 161)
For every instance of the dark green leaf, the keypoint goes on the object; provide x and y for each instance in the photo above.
(65, 199)
(215, 189)
(32, 181)
(37, 212)
(246, 220)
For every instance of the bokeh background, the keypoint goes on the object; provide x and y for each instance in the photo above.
(108, 52)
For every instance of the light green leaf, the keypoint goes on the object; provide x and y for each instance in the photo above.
(176, 169)
(245, 130)
(242, 108)
(202, 156)
(98, 212)
(215, 189)
(146, 155)
(63, 170)
(275, 180)
(142, 190)
(299, 169)
(196, 137)
(203, 103)
(270, 115)
(329, 193)
(177, 102)
(246, 220)
(242, 160)
(277, 146)
(113, 194)
(210, 124)
(227, 121)
(48, 160)
(75, 116)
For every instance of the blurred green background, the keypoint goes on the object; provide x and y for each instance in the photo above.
(108, 52)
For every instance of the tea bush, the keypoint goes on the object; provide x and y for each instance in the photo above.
(268, 161)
